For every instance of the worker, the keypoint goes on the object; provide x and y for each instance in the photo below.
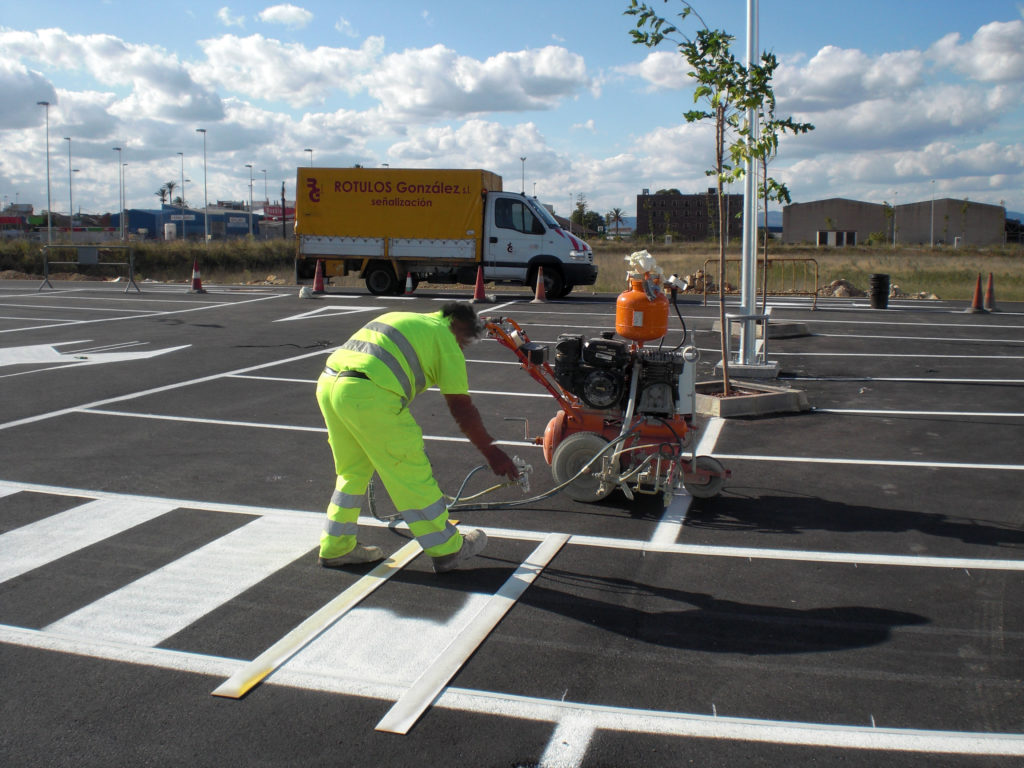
(364, 393)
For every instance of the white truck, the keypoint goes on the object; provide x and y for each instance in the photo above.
(389, 224)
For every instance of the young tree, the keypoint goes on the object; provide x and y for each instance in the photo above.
(727, 90)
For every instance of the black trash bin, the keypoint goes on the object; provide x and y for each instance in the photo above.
(879, 291)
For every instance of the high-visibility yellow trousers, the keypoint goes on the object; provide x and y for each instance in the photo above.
(369, 429)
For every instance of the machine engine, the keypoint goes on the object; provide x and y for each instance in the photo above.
(598, 371)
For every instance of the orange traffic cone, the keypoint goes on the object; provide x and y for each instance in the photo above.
(408, 284)
(541, 296)
(976, 307)
(479, 297)
(990, 296)
(197, 283)
(318, 277)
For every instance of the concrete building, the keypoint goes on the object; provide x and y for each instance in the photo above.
(839, 222)
(686, 217)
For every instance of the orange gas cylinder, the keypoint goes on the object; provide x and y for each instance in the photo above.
(637, 318)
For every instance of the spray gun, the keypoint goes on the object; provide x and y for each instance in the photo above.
(524, 473)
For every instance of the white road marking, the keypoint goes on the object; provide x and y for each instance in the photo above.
(162, 603)
(36, 544)
(414, 702)
(570, 741)
(615, 719)
(873, 462)
(870, 412)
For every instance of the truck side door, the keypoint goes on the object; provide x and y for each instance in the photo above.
(513, 236)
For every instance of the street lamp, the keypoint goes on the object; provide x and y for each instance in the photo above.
(266, 195)
(206, 198)
(49, 223)
(523, 161)
(71, 199)
(249, 166)
(310, 156)
(182, 195)
(120, 200)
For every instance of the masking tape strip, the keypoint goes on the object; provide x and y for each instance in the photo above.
(249, 676)
(414, 702)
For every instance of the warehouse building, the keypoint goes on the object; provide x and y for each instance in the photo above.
(686, 217)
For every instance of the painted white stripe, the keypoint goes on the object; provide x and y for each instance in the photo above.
(264, 425)
(569, 742)
(615, 719)
(8, 491)
(968, 340)
(253, 673)
(867, 412)
(36, 544)
(795, 555)
(709, 436)
(873, 462)
(414, 702)
(902, 379)
(164, 602)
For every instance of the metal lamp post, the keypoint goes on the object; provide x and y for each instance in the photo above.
(206, 197)
(71, 199)
(49, 222)
(120, 206)
(249, 166)
(310, 156)
(181, 195)
(931, 226)
(523, 189)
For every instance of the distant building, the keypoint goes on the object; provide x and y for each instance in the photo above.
(686, 217)
(172, 222)
(839, 222)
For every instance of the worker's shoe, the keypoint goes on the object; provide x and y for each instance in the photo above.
(473, 543)
(361, 554)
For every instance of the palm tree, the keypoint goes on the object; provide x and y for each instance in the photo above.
(614, 216)
(162, 194)
(170, 186)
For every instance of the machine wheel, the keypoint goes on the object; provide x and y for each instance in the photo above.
(554, 283)
(381, 280)
(705, 487)
(570, 456)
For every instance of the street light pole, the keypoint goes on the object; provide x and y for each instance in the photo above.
(266, 195)
(931, 227)
(249, 166)
(71, 198)
(49, 222)
(206, 197)
(120, 211)
(523, 161)
(182, 195)
(310, 156)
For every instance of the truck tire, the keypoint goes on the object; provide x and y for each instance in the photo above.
(554, 283)
(566, 290)
(381, 280)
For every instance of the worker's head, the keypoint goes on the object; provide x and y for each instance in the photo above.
(463, 321)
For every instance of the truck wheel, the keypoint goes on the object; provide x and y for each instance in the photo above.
(566, 291)
(381, 280)
(554, 284)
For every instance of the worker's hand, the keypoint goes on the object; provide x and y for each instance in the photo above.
(500, 463)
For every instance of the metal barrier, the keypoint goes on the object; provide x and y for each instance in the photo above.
(89, 255)
(749, 321)
(783, 277)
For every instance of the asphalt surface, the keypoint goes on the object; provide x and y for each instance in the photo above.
(852, 598)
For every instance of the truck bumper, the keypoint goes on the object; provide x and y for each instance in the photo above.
(580, 274)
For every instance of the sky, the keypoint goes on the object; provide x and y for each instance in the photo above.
(910, 99)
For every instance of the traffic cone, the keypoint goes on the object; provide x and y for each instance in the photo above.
(318, 277)
(479, 297)
(197, 283)
(976, 307)
(540, 297)
(408, 284)
(990, 296)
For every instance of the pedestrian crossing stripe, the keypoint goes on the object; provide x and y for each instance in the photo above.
(245, 679)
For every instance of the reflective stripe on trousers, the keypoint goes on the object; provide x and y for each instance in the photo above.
(369, 430)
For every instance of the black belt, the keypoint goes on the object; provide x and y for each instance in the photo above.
(343, 374)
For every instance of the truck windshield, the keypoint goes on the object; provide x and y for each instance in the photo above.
(543, 215)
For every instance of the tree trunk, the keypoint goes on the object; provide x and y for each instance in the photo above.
(722, 224)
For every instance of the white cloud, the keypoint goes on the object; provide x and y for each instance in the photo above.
(344, 26)
(159, 85)
(661, 70)
(22, 88)
(224, 14)
(434, 82)
(994, 54)
(263, 68)
(291, 16)
(587, 126)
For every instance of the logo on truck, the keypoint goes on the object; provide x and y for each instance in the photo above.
(314, 190)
